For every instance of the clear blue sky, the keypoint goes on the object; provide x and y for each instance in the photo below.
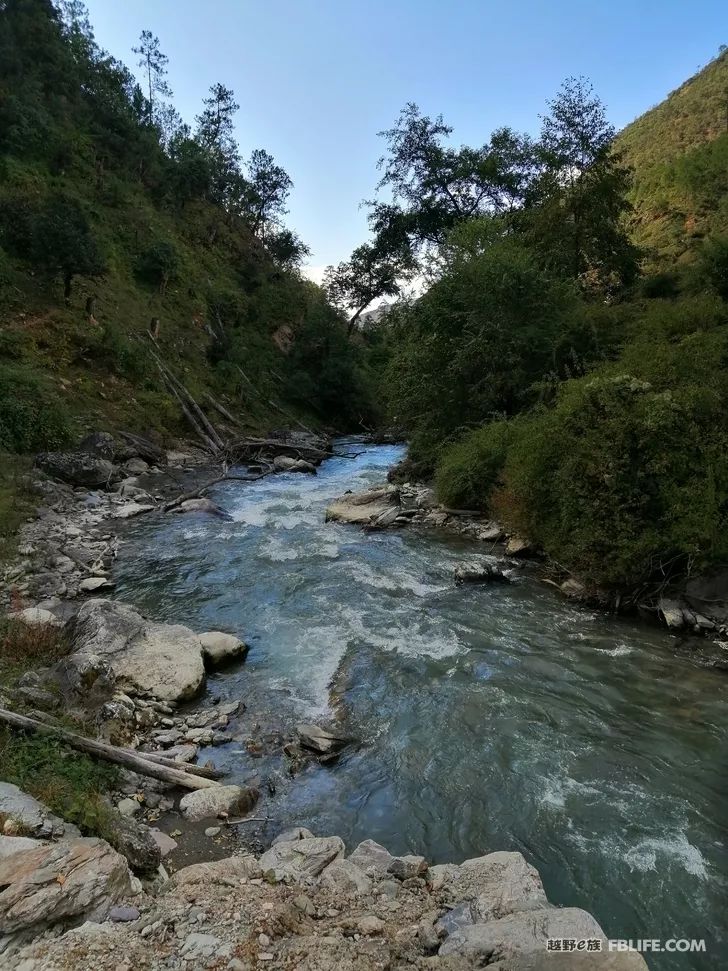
(317, 79)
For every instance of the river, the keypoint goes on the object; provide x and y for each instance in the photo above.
(499, 717)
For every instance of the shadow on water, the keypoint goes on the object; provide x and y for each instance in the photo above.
(490, 718)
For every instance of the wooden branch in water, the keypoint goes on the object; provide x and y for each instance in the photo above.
(110, 753)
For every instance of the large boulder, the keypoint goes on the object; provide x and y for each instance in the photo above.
(301, 859)
(217, 801)
(497, 884)
(59, 883)
(137, 843)
(219, 648)
(372, 858)
(77, 468)
(31, 817)
(345, 877)
(364, 508)
(100, 444)
(230, 871)
(318, 739)
(136, 655)
(285, 463)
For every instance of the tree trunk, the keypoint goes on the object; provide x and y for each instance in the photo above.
(67, 280)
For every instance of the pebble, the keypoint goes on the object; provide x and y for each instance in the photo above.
(212, 831)
(263, 940)
(122, 914)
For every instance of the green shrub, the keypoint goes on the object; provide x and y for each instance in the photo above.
(469, 470)
(159, 263)
(31, 416)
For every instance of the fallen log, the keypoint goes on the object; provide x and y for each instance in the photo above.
(219, 406)
(204, 771)
(110, 753)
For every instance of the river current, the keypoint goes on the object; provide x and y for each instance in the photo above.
(488, 718)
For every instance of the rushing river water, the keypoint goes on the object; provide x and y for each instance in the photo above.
(497, 717)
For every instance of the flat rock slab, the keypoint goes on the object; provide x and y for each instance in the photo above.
(318, 739)
(32, 817)
(301, 859)
(216, 801)
(139, 655)
(363, 508)
(232, 868)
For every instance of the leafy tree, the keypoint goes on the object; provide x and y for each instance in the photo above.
(61, 242)
(268, 187)
(215, 132)
(287, 249)
(576, 204)
(369, 274)
(154, 63)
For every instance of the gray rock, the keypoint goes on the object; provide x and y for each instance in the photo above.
(219, 648)
(137, 843)
(318, 739)
(299, 859)
(284, 463)
(202, 505)
(363, 508)
(32, 817)
(296, 833)
(136, 466)
(480, 573)
(217, 800)
(212, 831)
(136, 654)
(672, 612)
(231, 869)
(122, 915)
(78, 879)
(92, 584)
(165, 843)
(517, 546)
(77, 468)
(407, 867)
(100, 444)
(128, 807)
(37, 617)
(343, 876)
(372, 858)
(200, 946)
(497, 884)
(14, 844)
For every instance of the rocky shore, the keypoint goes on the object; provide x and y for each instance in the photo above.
(304, 904)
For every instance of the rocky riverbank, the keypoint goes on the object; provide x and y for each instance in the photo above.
(304, 904)
(698, 606)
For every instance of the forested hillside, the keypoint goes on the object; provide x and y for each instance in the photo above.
(120, 220)
(551, 373)
(679, 154)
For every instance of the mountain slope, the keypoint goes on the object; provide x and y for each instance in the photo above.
(679, 153)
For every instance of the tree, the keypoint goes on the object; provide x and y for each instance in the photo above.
(62, 242)
(287, 249)
(434, 187)
(577, 202)
(268, 187)
(215, 132)
(154, 64)
(367, 275)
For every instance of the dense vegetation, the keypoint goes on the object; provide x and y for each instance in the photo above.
(554, 372)
(117, 217)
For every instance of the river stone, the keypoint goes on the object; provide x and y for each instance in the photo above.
(318, 739)
(202, 505)
(165, 843)
(32, 817)
(363, 508)
(517, 546)
(207, 803)
(78, 879)
(407, 867)
(672, 612)
(498, 884)
(76, 468)
(231, 868)
(284, 463)
(299, 859)
(372, 858)
(138, 655)
(295, 833)
(345, 877)
(219, 648)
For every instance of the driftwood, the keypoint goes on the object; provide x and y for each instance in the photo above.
(110, 753)
(299, 450)
(204, 771)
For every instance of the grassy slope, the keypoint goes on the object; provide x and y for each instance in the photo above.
(679, 151)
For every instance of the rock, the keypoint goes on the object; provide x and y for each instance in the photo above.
(122, 915)
(480, 573)
(199, 946)
(672, 612)
(372, 858)
(181, 753)
(318, 739)
(14, 844)
(230, 870)
(514, 941)
(92, 584)
(517, 546)
(37, 617)
(407, 867)
(305, 905)
(164, 842)
(497, 884)
(573, 589)
(137, 843)
(345, 877)
(490, 533)
(32, 817)
(296, 833)
(386, 519)
(128, 807)
(100, 444)
(212, 831)
(462, 915)
(363, 508)
(77, 468)
(202, 505)
(138, 655)
(284, 463)
(297, 859)
(131, 509)
(206, 803)
(78, 879)
(219, 648)
(370, 924)
(136, 466)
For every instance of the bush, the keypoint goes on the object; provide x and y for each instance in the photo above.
(469, 470)
(159, 263)
(31, 416)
